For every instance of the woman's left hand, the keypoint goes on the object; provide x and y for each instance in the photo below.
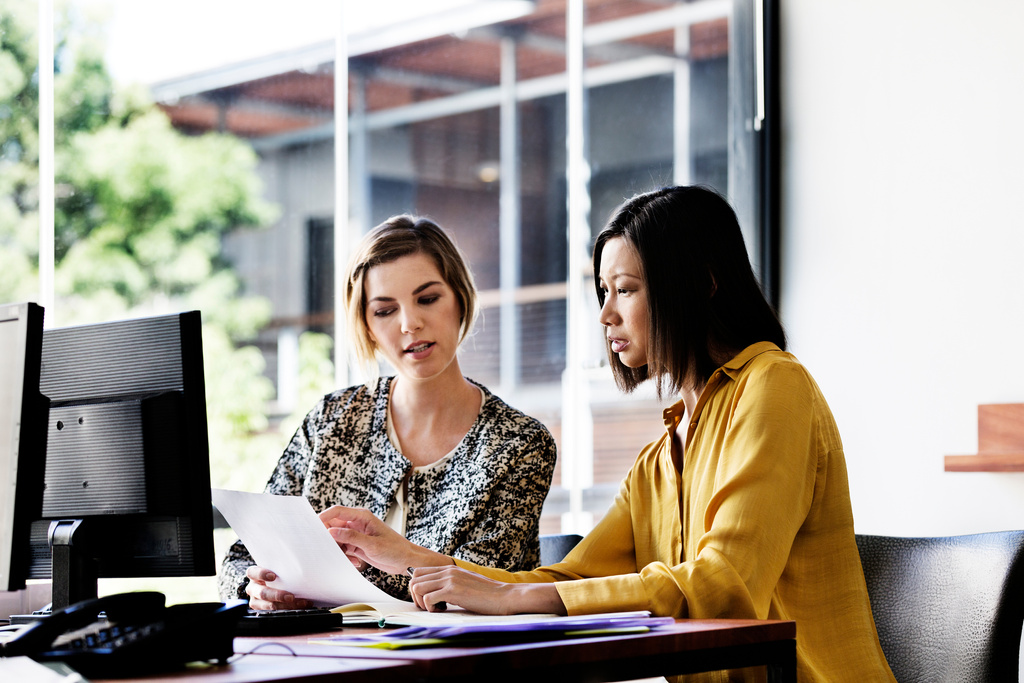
(365, 538)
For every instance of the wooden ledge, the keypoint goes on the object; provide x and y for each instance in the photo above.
(986, 462)
(1000, 441)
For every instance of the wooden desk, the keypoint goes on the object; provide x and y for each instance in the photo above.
(257, 669)
(688, 646)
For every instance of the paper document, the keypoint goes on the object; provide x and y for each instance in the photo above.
(285, 534)
(386, 615)
(497, 630)
(26, 669)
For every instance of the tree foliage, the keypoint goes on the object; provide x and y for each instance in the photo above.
(19, 113)
(140, 213)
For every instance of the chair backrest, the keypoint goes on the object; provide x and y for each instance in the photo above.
(950, 608)
(553, 547)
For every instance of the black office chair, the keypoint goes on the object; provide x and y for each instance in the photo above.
(948, 609)
(553, 547)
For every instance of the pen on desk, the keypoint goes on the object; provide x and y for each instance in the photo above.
(439, 607)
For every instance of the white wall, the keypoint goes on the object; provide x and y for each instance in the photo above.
(903, 243)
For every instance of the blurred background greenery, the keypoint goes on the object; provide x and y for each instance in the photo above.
(140, 212)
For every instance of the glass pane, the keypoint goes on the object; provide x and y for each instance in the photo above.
(657, 101)
(436, 127)
(193, 172)
(19, 152)
(659, 110)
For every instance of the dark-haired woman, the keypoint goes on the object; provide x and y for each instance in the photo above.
(741, 509)
(436, 457)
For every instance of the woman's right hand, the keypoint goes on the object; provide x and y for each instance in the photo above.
(366, 539)
(264, 597)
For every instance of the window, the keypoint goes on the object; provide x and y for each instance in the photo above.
(519, 134)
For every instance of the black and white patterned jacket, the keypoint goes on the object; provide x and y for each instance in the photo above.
(482, 504)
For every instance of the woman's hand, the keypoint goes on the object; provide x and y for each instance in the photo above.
(471, 591)
(263, 597)
(366, 539)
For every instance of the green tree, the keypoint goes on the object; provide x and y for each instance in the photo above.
(140, 213)
(19, 113)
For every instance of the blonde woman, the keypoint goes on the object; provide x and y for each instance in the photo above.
(438, 458)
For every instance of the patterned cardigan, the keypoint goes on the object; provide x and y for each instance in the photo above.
(482, 505)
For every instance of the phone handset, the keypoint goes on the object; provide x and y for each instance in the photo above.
(122, 607)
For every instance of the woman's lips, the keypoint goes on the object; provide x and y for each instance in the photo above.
(618, 345)
(420, 349)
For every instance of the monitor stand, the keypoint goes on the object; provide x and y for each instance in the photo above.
(74, 572)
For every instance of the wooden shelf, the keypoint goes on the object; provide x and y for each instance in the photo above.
(986, 462)
(1000, 441)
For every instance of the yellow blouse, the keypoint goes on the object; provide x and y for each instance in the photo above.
(758, 525)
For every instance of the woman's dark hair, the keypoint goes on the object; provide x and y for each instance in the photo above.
(702, 295)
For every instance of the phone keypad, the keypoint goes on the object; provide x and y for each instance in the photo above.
(104, 636)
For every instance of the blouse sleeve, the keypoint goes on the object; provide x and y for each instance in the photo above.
(607, 550)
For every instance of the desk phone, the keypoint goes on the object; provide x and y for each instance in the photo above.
(130, 634)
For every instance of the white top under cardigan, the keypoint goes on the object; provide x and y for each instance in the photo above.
(396, 514)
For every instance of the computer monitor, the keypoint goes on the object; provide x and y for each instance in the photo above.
(23, 412)
(128, 467)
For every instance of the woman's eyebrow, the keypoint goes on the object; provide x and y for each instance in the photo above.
(618, 275)
(426, 285)
(416, 291)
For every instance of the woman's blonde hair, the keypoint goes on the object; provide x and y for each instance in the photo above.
(396, 237)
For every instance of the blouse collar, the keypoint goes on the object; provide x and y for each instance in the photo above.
(731, 369)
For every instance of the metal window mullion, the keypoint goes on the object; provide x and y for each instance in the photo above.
(341, 180)
(509, 219)
(360, 187)
(577, 426)
(682, 164)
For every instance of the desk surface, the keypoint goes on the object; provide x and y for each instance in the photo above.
(257, 669)
(688, 646)
(685, 647)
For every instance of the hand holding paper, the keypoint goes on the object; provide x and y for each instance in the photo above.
(264, 596)
(284, 534)
(367, 538)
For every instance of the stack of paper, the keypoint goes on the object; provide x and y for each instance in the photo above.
(284, 534)
(499, 630)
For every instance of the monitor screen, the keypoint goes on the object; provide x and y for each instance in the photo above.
(128, 472)
(22, 437)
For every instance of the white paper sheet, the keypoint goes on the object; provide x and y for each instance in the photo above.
(26, 669)
(284, 534)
